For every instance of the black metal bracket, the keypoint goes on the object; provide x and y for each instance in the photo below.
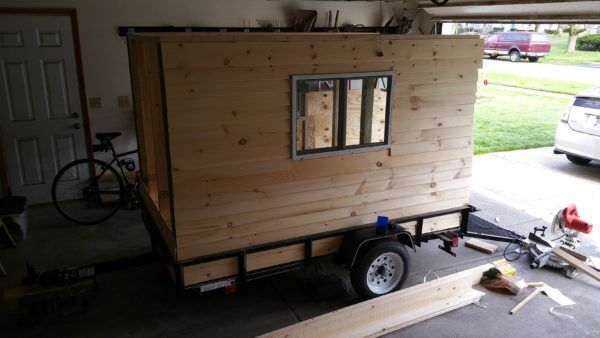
(419, 232)
(242, 267)
(308, 252)
(448, 239)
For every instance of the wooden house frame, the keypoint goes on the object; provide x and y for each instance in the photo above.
(222, 189)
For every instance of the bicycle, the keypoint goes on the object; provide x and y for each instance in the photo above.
(90, 191)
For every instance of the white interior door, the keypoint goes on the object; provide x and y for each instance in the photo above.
(40, 111)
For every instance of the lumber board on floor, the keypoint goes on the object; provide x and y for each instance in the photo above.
(576, 263)
(382, 315)
(481, 245)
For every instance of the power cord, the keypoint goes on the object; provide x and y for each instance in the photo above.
(514, 241)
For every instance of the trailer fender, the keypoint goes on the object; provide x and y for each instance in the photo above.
(358, 241)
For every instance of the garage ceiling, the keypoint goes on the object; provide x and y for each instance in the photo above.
(514, 11)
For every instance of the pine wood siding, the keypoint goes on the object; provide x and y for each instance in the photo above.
(233, 182)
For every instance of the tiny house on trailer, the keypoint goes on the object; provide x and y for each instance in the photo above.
(262, 151)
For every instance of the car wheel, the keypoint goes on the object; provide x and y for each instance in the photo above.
(515, 56)
(533, 59)
(381, 269)
(578, 160)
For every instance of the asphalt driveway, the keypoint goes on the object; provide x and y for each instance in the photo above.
(540, 183)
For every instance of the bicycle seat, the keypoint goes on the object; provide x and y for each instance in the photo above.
(107, 136)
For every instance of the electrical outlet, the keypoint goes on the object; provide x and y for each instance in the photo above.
(95, 102)
(123, 101)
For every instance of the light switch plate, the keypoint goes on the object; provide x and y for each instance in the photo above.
(95, 102)
(123, 101)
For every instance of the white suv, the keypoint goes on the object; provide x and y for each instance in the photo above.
(578, 132)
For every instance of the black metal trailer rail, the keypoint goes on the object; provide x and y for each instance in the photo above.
(367, 233)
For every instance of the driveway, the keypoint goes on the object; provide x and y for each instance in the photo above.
(558, 72)
(540, 183)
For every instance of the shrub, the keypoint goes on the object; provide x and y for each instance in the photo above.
(551, 31)
(589, 42)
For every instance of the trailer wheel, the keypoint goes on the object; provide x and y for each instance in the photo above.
(381, 269)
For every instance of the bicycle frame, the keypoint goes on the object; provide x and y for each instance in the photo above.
(115, 158)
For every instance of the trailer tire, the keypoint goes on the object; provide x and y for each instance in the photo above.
(380, 269)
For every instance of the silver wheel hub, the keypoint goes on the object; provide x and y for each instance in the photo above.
(384, 273)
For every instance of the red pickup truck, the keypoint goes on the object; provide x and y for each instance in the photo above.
(518, 45)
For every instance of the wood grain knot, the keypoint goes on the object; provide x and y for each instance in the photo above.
(379, 164)
(229, 224)
(353, 213)
(242, 141)
(226, 62)
(433, 185)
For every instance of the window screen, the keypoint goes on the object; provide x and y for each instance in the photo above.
(340, 113)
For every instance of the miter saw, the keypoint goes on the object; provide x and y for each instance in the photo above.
(566, 227)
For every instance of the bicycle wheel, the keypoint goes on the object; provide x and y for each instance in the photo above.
(87, 191)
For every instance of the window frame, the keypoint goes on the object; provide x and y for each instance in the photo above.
(342, 149)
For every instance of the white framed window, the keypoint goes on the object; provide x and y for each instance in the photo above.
(334, 114)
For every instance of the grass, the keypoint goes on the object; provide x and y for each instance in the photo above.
(559, 56)
(507, 120)
(536, 83)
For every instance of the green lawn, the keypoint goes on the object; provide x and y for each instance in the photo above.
(506, 120)
(558, 53)
(536, 83)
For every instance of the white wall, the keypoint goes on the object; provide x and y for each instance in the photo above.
(105, 62)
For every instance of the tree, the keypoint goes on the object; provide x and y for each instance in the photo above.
(574, 32)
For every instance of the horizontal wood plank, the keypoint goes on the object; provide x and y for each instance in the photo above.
(234, 184)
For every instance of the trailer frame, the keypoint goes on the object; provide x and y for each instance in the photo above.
(366, 234)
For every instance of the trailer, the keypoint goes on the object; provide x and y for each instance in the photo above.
(260, 152)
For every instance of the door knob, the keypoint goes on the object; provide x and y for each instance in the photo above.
(75, 115)
(77, 125)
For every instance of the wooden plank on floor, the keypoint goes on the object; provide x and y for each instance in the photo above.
(480, 245)
(382, 315)
(575, 262)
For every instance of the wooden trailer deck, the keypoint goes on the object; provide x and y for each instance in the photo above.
(213, 115)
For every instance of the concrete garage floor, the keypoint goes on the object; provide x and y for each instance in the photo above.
(140, 302)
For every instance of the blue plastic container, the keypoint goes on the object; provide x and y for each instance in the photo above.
(382, 225)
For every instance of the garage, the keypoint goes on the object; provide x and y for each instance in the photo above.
(297, 168)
